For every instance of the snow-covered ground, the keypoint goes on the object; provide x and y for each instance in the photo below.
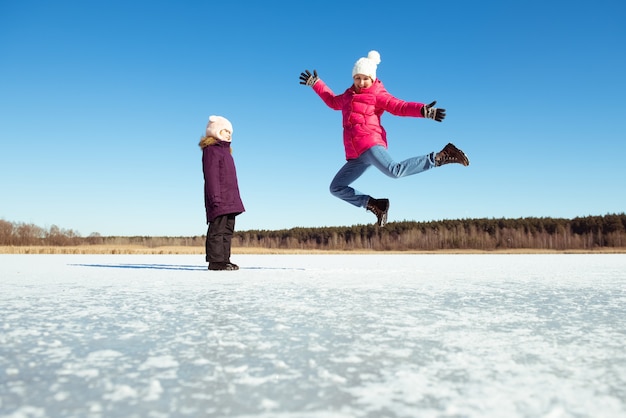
(313, 336)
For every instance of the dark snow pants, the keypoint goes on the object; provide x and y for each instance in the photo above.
(218, 239)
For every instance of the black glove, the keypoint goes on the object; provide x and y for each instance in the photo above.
(430, 112)
(308, 79)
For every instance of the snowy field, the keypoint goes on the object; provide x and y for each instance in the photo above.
(313, 336)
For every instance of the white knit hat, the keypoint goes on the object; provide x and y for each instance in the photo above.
(215, 126)
(367, 65)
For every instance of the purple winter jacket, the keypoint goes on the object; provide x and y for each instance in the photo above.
(361, 114)
(221, 190)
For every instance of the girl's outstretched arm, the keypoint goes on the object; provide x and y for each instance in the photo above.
(322, 90)
(399, 107)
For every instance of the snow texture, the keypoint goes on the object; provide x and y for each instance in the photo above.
(313, 336)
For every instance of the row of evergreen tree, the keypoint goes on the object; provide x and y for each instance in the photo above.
(581, 233)
(479, 234)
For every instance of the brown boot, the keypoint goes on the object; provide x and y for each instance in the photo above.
(379, 207)
(450, 154)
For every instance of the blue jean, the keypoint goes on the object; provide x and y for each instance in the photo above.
(379, 157)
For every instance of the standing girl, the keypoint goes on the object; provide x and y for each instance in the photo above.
(221, 192)
(364, 138)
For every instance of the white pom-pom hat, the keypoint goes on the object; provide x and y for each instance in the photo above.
(216, 125)
(367, 65)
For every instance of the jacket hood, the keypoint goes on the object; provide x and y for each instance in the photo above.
(207, 141)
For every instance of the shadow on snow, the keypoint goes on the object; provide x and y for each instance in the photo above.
(173, 267)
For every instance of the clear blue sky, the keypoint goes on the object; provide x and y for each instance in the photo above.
(102, 105)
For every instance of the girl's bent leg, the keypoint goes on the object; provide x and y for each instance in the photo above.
(340, 186)
(379, 157)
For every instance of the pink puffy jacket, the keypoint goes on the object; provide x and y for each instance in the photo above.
(361, 114)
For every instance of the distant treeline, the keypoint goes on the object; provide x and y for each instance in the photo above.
(581, 233)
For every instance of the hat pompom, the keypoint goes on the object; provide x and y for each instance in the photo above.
(374, 56)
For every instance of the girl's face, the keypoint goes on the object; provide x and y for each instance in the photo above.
(362, 81)
(226, 134)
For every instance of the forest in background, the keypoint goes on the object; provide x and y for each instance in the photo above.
(580, 233)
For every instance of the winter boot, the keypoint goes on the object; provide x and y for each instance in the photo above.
(450, 154)
(222, 266)
(379, 207)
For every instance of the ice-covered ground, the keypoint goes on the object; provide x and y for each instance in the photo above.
(313, 336)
